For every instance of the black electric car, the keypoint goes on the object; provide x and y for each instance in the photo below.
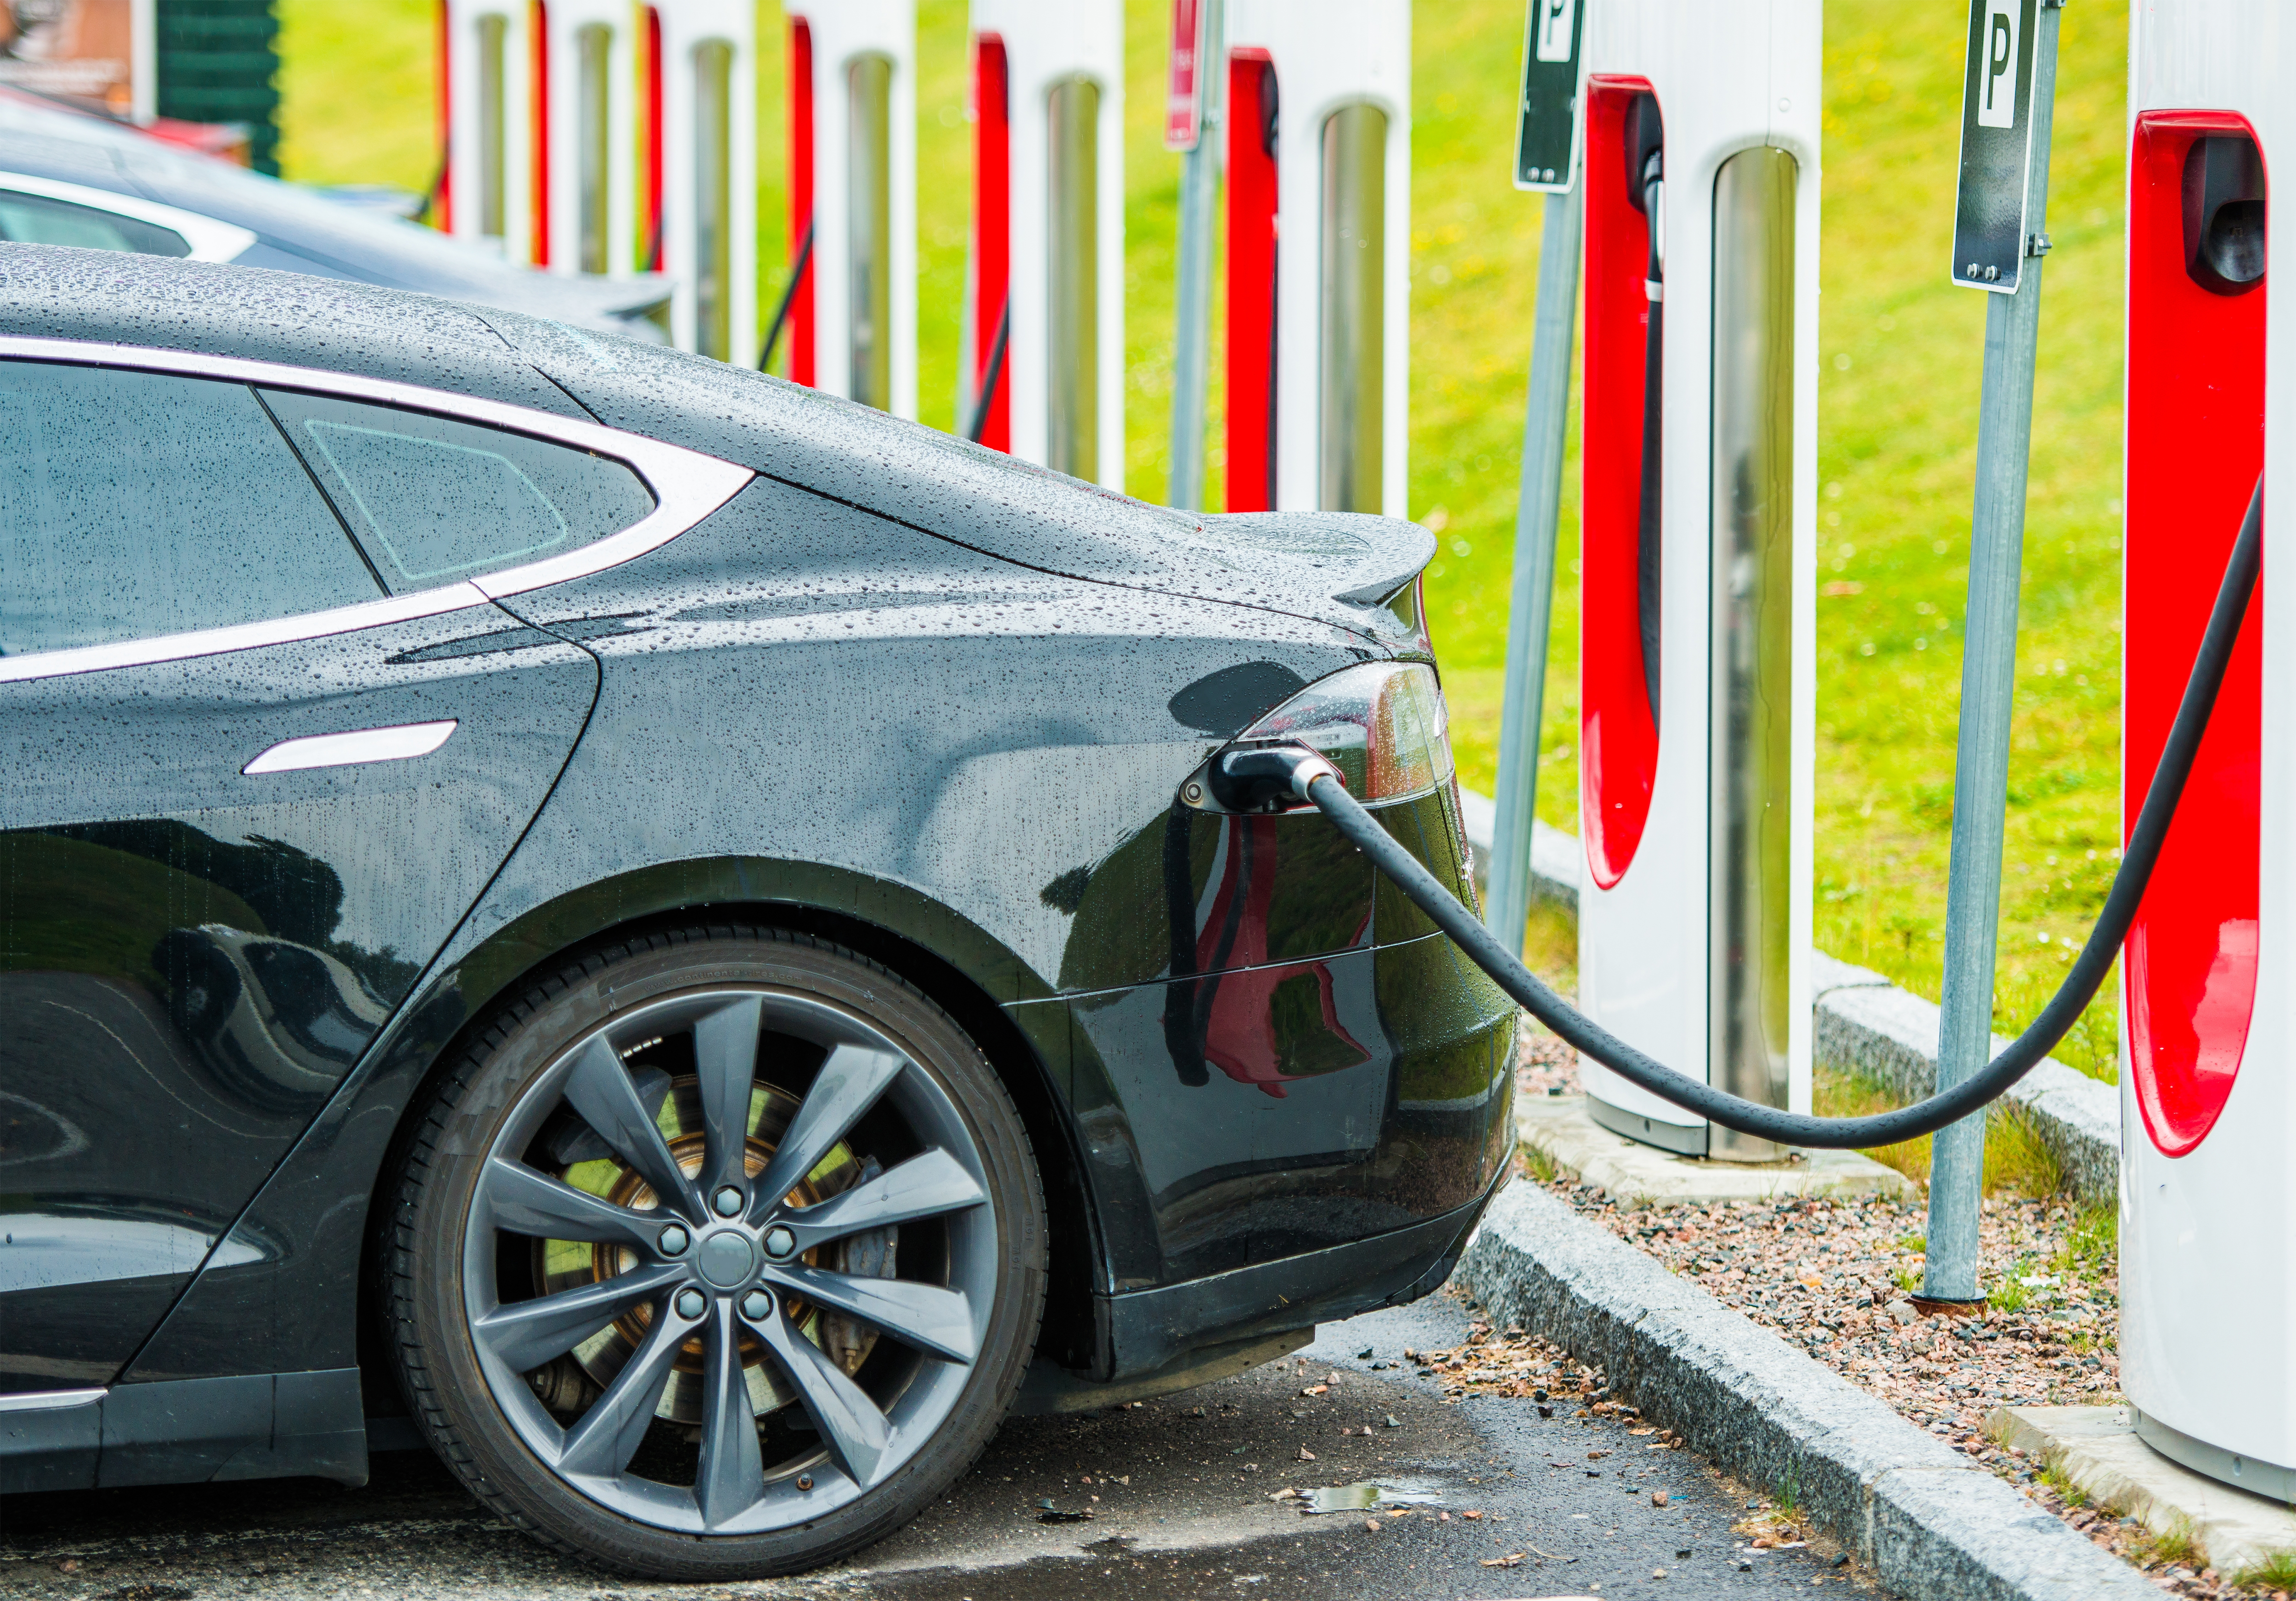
(666, 935)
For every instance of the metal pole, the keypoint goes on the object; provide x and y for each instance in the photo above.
(1988, 672)
(1536, 507)
(1192, 338)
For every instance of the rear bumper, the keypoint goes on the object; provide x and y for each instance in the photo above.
(1149, 1329)
(1260, 1115)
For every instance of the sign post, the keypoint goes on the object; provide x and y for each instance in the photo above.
(2000, 214)
(1192, 118)
(1547, 142)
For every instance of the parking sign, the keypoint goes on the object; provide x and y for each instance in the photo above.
(1997, 134)
(1546, 127)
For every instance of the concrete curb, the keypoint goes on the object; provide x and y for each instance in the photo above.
(1927, 1520)
(1867, 1025)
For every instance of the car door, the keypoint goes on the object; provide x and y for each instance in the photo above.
(249, 788)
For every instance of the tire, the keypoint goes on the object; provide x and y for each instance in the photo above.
(592, 1326)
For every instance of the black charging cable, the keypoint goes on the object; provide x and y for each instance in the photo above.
(1268, 773)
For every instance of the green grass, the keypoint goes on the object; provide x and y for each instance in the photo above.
(1899, 350)
(2276, 1572)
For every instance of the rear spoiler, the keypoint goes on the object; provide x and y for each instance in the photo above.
(1359, 560)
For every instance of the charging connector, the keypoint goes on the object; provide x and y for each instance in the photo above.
(1305, 773)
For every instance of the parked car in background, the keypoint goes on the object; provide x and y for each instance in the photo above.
(71, 178)
(669, 937)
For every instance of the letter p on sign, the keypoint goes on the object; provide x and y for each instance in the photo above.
(1554, 29)
(1997, 91)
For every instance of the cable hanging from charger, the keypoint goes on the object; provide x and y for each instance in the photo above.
(1272, 771)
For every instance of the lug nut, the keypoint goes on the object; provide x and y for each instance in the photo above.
(805, 1481)
(727, 1202)
(779, 1243)
(690, 1303)
(673, 1241)
(756, 1306)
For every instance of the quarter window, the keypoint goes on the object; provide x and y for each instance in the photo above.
(434, 500)
(134, 504)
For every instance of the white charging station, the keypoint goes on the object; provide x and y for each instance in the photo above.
(589, 112)
(1697, 683)
(853, 191)
(493, 153)
(707, 69)
(2208, 1201)
(1044, 321)
(1318, 283)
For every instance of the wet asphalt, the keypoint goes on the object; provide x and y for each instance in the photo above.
(1180, 1506)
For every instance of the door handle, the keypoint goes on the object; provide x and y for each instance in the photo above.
(399, 743)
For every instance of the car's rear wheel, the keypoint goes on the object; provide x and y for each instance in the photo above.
(719, 1253)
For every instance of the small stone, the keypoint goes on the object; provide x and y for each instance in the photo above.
(1658, 1497)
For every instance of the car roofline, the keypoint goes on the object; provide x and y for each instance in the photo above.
(687, 486)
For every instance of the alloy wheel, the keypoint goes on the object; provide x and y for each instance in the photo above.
(729, 1260)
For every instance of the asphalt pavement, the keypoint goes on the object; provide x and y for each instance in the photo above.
(1180, 1493)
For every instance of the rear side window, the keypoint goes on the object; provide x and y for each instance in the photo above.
(133, 505)
(434, 500)
(36, 219)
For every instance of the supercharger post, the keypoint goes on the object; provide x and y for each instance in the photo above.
(1319, 240)
(851, 316)
(1547, 130)
(706, 70)
(1698, 688)
(588, 110)
(1043, 367)
(494, 154)
(2008, 96)
(1192, 121)
(2208, 1223)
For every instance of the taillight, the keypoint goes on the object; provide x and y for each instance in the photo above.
(1383, 725)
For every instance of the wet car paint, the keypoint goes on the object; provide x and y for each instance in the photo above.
(164, 910)
(949, 734)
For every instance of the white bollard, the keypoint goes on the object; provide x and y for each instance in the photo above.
(1319, 209)
(590, 159)
(1048, 234)
(1698, 687)
(708, 86)
(491, 144)
(2208, 1208)
(852, 324)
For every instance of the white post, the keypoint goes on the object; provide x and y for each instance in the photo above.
(490, 124)
(708, 49)
(1327, 58)
(846, 33)
(576, 30)
(1050, 44)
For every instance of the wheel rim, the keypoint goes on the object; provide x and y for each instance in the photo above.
(750, 1350)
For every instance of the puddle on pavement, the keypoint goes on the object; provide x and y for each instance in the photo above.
(1370, 1495)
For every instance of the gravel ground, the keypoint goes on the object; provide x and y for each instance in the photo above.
(1834, 1278)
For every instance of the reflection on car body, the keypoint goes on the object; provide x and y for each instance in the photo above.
(278, 1022)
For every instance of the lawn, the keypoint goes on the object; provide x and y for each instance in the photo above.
(1896, 440)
